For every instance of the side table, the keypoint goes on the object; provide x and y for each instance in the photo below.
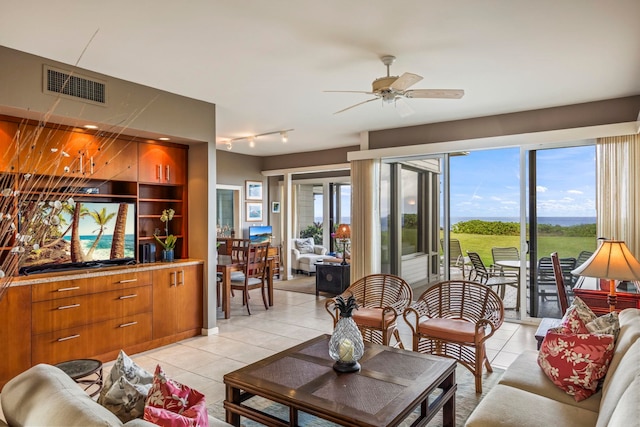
(86, 372)
(545, 324)
(333, 278)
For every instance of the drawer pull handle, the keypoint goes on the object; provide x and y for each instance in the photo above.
(70, 337)
(68, 289)
(128, 296)
(124, 325)
(128, 280)
(64, 307)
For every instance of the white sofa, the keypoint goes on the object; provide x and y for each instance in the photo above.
(304, 255)
(45, 396)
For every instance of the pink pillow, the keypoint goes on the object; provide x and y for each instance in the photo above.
(172, 404)
(575, 362)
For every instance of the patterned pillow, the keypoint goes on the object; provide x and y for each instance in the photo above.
(125, 389)
(305, 246)
(576, 362)
(170, 403)
(580, 319)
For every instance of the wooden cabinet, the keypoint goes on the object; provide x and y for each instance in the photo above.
(162, 164)
(80, 318)
(177, 300)
(15, 334)
(8, 159)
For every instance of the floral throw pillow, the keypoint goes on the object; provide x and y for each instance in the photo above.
(170, 403)
(125, 389)
(579, 318)
(576, 362)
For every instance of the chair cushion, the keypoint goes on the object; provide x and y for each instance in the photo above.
(372, 317)
(449, 329)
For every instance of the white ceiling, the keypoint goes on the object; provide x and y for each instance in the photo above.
(265, 63)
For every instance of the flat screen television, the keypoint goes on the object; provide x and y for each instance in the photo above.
(260, 233)
(104, 239)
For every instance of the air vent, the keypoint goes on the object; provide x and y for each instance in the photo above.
(73, 85)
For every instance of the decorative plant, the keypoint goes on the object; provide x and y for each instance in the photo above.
(169, 242)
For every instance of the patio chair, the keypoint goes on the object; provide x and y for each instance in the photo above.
(546, 279)
(456, 257)
(455, 319)
(493, 277)
(504, 254)
(381, 298)
(583, 256)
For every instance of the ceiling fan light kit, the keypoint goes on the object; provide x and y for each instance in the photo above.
(391, 89)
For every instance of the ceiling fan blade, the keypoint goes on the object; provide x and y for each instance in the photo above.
(405, 81)
(403, 108)
(349, 91)
(359, 103)
(435, 93)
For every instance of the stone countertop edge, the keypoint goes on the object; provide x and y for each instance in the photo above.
(102, 271)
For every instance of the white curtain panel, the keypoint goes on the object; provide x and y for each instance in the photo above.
(618, 189)
(365, 218)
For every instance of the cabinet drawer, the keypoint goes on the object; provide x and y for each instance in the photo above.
(61, 289)
(90, 340)
(74, 287)
(53, 315)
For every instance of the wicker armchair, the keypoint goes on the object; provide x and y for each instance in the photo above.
(454, 319)
(381, 299)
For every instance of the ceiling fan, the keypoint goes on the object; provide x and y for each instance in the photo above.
(391, 89)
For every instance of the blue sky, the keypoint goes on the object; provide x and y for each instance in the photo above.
(486, 183)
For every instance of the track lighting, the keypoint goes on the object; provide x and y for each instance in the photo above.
(284, 134)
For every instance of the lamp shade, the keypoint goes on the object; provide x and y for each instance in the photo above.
(612, 260)
(343, 231)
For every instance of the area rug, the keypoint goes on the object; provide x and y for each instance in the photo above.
(466, 401)
(304, 284)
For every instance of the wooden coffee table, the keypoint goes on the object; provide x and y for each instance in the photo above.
(391, 384)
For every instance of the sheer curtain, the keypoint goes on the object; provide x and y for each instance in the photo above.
(618, 183)
(365, 218)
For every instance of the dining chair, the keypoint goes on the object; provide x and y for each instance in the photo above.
(254, 274)
(381, 299)
(454, 319)
(493, 277)
(563, 299)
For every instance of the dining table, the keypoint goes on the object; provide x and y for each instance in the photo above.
(226, 265)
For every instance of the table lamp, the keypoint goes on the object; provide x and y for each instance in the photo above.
(343, 233)
(612, 261)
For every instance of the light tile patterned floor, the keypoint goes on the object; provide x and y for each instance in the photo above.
(202, 361)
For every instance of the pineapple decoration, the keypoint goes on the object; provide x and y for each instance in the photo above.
(346, 346)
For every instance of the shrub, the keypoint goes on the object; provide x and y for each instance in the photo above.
(314, 231)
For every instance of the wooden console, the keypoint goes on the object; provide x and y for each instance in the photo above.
(50, 318)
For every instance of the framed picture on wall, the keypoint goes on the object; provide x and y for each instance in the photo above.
(254, 211)
(275, 207)
(253, 190)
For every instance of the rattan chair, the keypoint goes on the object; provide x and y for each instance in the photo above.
(254, 275)
(455, 319)
(381, 299)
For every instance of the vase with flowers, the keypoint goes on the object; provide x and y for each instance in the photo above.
(169, 243)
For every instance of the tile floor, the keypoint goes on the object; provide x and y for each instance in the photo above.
(201, 362)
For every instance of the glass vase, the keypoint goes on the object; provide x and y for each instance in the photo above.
(346, 346)
(167, 255)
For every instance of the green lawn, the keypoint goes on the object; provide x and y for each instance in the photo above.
(565, 246)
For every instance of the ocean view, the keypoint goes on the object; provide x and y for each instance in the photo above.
(563, 221)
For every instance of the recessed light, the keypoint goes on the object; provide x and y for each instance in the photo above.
(164, 138)
(90, 127)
